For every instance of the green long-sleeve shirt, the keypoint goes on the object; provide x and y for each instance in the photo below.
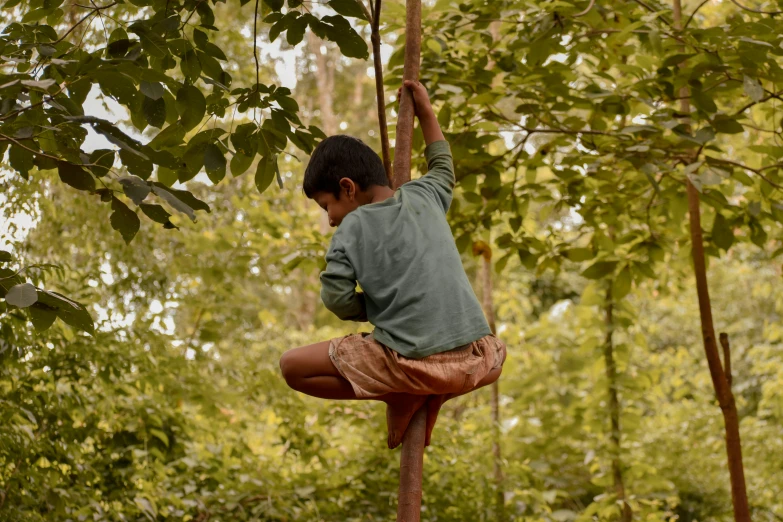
(401, 251)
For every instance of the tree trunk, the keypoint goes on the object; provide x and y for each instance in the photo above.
(412, 455)
(614, 409)
(489, 311)
(403, 144)
(720, 381)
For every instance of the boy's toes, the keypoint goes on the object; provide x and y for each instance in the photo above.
(398, 415)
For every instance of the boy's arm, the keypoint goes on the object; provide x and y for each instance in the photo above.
(440, 176)
(338, 286)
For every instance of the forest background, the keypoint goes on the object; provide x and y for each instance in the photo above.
(139, 375)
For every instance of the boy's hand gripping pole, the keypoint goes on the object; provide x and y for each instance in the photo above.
(412, 454)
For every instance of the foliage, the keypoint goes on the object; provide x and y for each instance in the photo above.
(571, 153)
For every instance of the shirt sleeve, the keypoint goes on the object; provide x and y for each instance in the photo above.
(338, 286)
(439, 181)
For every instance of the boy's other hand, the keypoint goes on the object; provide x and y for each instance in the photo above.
(421, 100)
(422, 108)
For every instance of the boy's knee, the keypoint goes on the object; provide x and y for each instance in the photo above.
(287, 367)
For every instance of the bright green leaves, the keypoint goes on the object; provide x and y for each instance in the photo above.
(124, 220)
(333, 28)
(599, 269)
(621, 285)
(43, 306)
(266, 171)
(191, 106)
(75, 176)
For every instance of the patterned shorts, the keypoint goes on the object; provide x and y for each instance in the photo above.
(374, 369)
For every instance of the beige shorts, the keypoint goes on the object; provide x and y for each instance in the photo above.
(374, 369)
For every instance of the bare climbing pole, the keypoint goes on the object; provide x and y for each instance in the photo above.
(412, 454)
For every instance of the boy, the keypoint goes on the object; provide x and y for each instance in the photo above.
(431, 341)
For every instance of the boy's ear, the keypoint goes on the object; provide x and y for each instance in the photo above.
(348, 187)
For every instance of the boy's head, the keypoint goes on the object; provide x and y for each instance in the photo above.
(341, 169)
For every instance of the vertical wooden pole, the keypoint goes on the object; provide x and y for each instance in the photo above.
(411, 468)
(720, 376)
(403, 144)
(412, 454)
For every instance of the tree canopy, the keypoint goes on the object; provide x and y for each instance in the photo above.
(156, 396)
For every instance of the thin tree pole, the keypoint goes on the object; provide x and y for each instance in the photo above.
(403, 144)
(614, 408)
(412, 454)
(720, 382)
(489, 312)
(379, 95)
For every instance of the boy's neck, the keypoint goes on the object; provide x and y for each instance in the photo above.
(376, 194)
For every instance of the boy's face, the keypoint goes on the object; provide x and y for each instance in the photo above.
(338, 208)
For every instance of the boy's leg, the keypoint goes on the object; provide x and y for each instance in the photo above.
(309, 370)
(434, 402)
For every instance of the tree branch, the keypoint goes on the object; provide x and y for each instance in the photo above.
(379, 94)
(755, 10)
(684, 27)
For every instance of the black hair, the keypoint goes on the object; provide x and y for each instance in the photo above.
(342, 156)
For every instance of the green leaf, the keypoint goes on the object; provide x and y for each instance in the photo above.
(348, 8)
(726, 125)
(160, 435)
(214, 163)
(22, 295)
(153, 90)
(240, 163)
(102, 160)
(191, 66)
(154, 111)
(621, 284)
(191, 106)
(135, 188)
(753, 88)
(579, 254)
(124, 220)
(155, 212)
(75, 176)
(42, 316)
(71, 312)
(722, 233)
(265, 172)
(599, 269)
(339, 31)
(5, 256)
(21, 160)
(275, 5)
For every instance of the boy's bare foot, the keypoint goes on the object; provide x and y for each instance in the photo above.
(434, 402)
(400, 408)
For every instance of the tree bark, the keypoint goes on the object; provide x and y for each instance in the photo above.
(403, 144)
(379, 94)
(720, 381)
(614, 409)
(489, 312)
(412, 455)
